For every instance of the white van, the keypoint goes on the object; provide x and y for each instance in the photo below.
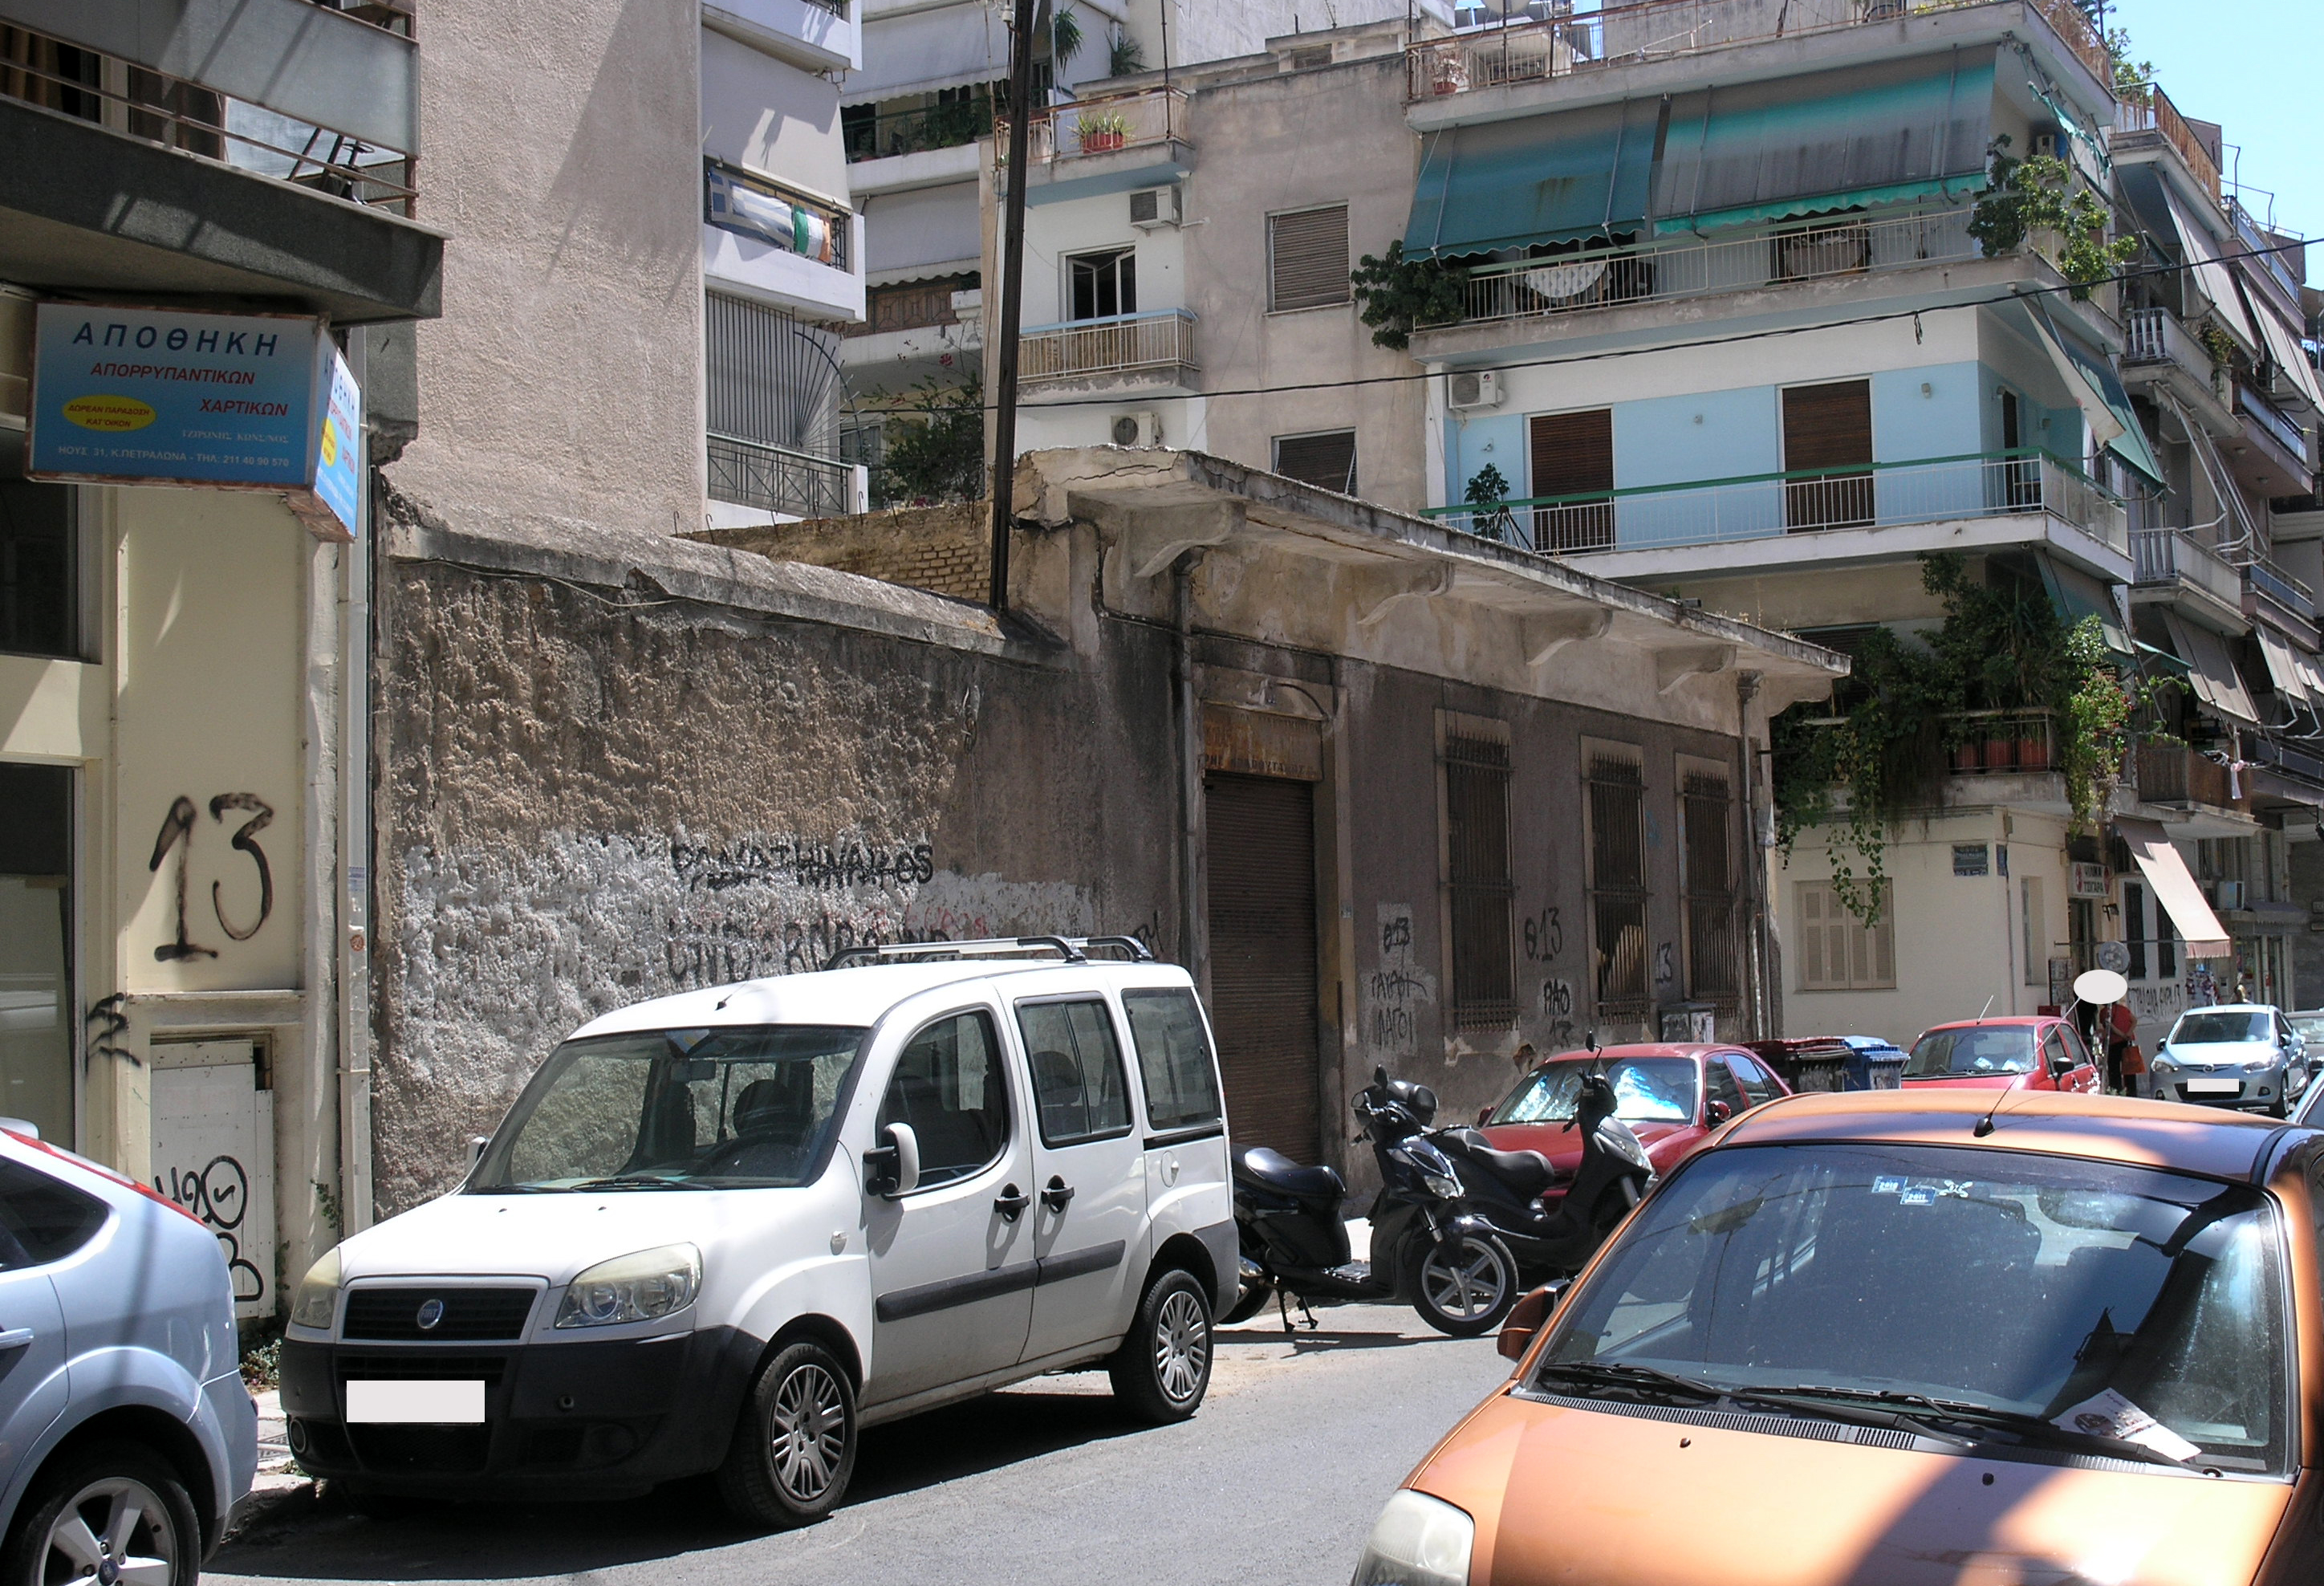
(724, 1230)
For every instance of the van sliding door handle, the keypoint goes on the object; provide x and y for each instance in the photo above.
(1011, 1202)
(1057, 1194)
(15, 1338)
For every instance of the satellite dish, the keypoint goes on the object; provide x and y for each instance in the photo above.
(2100, 986)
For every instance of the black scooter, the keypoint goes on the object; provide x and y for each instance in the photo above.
(1425, 1248)
(1504, 1187)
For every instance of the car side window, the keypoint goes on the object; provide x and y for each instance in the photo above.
(41, 1219)
(1757, 1084)
(1079, 1083)
(1723, 1087)
(1174, 1057)
(950, 1089)
(2072, 1038)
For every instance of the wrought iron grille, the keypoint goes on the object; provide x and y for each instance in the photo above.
(774, 480)
(1706, 813)
(1616, 787)
(1477, 846)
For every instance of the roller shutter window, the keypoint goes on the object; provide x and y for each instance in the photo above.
(1260, 834)
(1307, 258)
(1828, 428)
(1327, 462)
(1574, 456)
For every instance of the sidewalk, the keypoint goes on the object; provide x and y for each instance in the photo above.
(275, 1473)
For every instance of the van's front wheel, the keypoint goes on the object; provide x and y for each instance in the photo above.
(794, 1446)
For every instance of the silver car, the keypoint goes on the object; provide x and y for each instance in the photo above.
(2239, 1055)
(126, 1436)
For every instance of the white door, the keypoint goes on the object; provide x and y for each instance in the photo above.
(952, 1262)
(213, 1154)
(1089, 1162)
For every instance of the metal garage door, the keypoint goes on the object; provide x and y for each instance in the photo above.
(1262, 927)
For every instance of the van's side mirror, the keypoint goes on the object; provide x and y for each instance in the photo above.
(477, 1144)
(1527, 1318)
(893, 1168)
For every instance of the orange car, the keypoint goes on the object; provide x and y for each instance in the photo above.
(1903, 1338)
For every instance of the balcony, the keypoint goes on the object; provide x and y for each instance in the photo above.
(787, 483)
(1530, 288)
(2145, 116)
(1109, 143)
(2172, 773)
(2170, 567)
(2001, 743)
(1151, 353)
(2269, 422)
(1819, 516)
(290, 128)
(778, 246)
(820, 36)
(1658, 29)
(2159, 350)
(887, 134)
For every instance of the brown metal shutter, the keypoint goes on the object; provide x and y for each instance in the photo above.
(1327, 462)
(1573, 454)
(1828, 427)
(1308, 258)
(1261, 840)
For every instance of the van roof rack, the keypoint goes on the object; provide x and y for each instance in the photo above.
(1072, 949)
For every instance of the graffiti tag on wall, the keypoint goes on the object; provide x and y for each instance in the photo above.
(177, 835)
(1396, 990)
(218, 1193)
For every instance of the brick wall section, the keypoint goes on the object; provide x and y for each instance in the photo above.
(946, 549)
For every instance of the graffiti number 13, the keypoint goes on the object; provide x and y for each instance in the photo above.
(177, 831)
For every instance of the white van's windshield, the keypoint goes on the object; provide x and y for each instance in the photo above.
(735, 1108)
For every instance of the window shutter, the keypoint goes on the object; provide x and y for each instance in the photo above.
(1327, 462)
(1827, 426)
(1308, 255)
(1574, 453)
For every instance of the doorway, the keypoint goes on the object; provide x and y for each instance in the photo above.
(36, 911)
(1260, 904)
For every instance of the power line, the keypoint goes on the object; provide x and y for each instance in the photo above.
(2013, 295)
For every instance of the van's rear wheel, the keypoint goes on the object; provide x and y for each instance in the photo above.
(1163, 1368)
(794, 1445)
(111, 1513)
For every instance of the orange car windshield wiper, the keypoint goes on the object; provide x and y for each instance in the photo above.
(1621, 1374)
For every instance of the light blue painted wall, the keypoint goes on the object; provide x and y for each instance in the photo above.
(1931, 411)
(1471, 443)
(1701, 435)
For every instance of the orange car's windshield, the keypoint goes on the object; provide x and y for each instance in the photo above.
(2059, 1298)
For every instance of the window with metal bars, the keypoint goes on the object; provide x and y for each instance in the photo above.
(1307, 258)
(1477, 879)
(1327, 462)
(1706, 854)
(1615, 805)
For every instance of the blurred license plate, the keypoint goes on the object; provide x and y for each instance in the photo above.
(2214, 1087)
(428, 1402)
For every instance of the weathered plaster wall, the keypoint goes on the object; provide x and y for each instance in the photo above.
(944, 549)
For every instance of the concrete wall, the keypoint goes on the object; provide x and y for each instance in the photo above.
(946, 549)
(562, 155)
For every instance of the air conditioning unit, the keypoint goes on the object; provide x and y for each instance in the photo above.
(1480, 389)
(2045, 145)
(2226, 894)
(1153, 207)
(1137, 429)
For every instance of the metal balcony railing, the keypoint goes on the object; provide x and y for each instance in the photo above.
(1101, 126)
(748, 204)
(775, 479)
(887, 133)
(2281, 587)
(2272, 420)
(2142, 108)
(1758, 506)
(1116, 346)
(1612, 33)
(2165, 555)
(1989, 742)
(1563, 283)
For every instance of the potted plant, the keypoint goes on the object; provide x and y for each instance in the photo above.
(1104, 131)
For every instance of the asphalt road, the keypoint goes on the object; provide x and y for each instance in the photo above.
(1276, 1479)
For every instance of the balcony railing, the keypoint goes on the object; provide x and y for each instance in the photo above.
(2279, 586)
(1117, 345)
(1759, 506)
(1524, 289)
(1103, 125)
(2145, 107)
(2271, 418)
(2172, 773)
(748, 204)
(1989, 742)
(887, 133)
(2166, 556)
(774, 479)
(1538, 50)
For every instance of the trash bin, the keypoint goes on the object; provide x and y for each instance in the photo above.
(1809, 1063)
(1877, 1064)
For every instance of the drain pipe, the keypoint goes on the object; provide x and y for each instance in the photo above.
(1747, 689)
(1194, 941)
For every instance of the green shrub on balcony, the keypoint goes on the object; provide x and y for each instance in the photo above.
(2026, 196)
(1400, 294)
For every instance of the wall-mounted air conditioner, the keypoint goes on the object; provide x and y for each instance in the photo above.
(1137, 429)
(1481, 389)
(2045, 144)
(1153, 207)
(2226, 894)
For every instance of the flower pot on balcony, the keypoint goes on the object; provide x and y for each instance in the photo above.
(1101, 142)
(2033, 754)
(1969, 758)
(2000, 754)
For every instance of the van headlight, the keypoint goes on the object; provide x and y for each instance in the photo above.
(1418, 1541)
(317, 1303)
(632, 1288)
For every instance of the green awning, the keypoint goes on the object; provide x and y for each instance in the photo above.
(1540, 178)
(2077, 595)
(1871, 134)
(2112, 421)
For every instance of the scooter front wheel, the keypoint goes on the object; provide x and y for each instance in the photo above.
(1464, 1288)
(1250, 1298)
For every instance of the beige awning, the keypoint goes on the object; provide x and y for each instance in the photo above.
(2174, 888)
(2210, 668)
(2283, 668)
(2213, 278)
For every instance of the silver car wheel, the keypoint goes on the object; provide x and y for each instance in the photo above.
(806, 1433)
(115, 1531)
(1181, 1347)
(1467, 1282)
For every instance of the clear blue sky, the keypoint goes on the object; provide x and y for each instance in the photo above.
(2252, 66)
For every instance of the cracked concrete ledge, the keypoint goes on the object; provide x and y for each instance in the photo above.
(652, 566)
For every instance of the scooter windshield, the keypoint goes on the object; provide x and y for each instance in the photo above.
(733, 1108)
(1646, 1090)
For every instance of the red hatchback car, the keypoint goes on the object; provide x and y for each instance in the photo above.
(1671, 1096)
(2042, 1053)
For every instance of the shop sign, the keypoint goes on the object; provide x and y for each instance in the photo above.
(229, 401)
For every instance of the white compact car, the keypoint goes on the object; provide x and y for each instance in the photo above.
(721, 1231)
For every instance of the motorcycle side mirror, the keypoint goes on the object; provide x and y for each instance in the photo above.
(1718, 1113)
(1527, 1318)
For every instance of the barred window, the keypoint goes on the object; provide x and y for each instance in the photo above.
(1478, 883)
(1707, 884)
(1615, 806)
(1838, 952)
(1307, 258)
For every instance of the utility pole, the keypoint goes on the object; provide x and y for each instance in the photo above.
(1012, 271)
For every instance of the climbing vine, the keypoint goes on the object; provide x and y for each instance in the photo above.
(1400, 294)
(2025, 196)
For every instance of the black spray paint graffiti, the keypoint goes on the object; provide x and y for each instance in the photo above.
(220, 1194)
(1545, 936)
(177, 831)
(817, 866)
(1665, 965)
(103, 1022)
(1557, 1008)
(1394, 994)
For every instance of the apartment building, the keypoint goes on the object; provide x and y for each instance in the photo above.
(215, 235)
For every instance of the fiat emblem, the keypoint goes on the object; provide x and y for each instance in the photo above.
(431, 1312)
